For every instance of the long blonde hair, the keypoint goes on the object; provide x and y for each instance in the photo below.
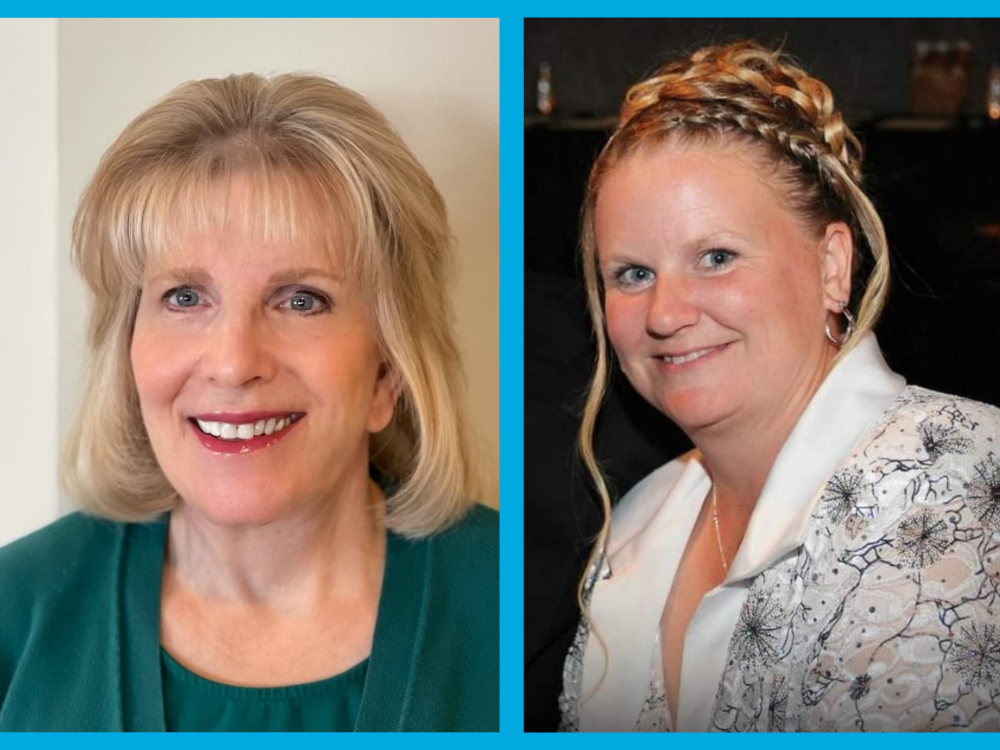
(314, 153)
(738, 92)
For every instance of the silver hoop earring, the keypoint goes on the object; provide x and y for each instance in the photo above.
(839, 342)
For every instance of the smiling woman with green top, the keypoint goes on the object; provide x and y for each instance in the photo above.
(269, 331)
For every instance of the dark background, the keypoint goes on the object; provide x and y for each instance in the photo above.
(866, 62)
(936, 184)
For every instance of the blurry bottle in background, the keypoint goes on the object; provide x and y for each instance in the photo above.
(545, 95)
(993, 95)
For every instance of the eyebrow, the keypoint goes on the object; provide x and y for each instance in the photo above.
(198, 275)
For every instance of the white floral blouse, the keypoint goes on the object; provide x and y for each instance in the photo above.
(867, 599)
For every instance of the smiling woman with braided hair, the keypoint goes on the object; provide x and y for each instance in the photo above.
(827, 558)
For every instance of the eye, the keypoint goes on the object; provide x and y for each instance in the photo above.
(633, 276)
(183, 296)
(306, 302)
(716, 259)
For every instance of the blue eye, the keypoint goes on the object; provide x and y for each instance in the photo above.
(305, 302)
(182, 297)
(633, 276)
(716, 259)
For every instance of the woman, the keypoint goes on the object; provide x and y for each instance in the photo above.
(269, 330)
(826, 558)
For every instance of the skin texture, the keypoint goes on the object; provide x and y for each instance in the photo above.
(271, 552)
(698, 253)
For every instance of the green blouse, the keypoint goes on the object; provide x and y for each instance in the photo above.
(80, 637)
(195, 704)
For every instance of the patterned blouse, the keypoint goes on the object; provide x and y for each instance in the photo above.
(876, 608)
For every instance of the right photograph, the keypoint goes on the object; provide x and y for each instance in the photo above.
(762, 489)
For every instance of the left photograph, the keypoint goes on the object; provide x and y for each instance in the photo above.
(263, 492)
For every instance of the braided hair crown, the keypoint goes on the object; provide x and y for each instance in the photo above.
(743, 87)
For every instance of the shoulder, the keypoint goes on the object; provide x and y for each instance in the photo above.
(929, 441)
(962, 414)
(926, 481)
(65, 561)
(471, 548)
(463, 573)
(52, 558)
(933, 435)
(52, 584)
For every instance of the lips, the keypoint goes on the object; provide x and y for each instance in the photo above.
(690, 356)
(246, 432)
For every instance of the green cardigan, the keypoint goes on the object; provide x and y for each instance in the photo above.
(80, 613)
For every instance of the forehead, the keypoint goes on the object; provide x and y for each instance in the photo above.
(682, 192)
(224, 257)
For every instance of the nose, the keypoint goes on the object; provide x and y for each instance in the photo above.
(238, 350)
(672, 308)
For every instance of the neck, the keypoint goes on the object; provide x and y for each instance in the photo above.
(328, 549)
(740, 451)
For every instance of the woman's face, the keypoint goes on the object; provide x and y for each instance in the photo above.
(716, 296)
(270, 343)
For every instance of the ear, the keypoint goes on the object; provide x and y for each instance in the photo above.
(837, 247)
(388, 386)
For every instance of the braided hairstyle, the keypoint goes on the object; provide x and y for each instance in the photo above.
(746, 94)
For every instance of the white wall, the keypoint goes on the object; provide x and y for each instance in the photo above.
(29, 296)
(437, 80)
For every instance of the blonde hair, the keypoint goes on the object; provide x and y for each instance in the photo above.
(315, 154)
(745, 93)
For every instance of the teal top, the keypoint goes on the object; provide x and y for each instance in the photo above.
(80, 630)
(195, 704)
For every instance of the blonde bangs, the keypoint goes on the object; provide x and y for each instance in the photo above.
(247, 202)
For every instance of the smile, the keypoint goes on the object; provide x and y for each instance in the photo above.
(681, 359)
(246, 430)
(243, 433)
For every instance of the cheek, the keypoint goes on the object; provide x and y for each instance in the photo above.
(341, 373)
(156, 367)
(625, 317)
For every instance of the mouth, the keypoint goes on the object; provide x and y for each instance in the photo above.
(243, 433)
(695, 355)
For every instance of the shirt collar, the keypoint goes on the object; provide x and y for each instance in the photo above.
(844, 409)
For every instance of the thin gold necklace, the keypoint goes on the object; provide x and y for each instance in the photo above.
(718, 535)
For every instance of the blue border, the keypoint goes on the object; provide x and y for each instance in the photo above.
(512, 374)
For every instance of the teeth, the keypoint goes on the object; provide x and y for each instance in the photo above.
(228, 431)
(687, 357)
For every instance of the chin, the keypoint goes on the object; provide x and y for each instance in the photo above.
(694, 410)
